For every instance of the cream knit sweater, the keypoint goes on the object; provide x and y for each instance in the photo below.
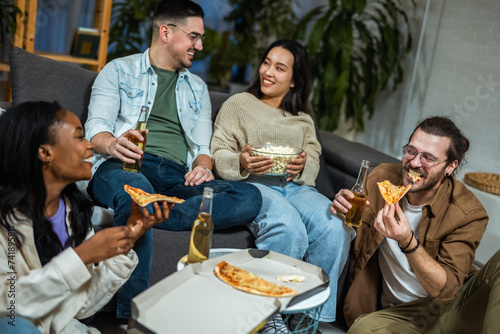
(244, 119)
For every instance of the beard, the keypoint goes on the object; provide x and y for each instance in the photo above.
(429, 180)
(186, 63)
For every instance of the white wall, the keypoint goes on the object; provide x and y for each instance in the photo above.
(458, 74)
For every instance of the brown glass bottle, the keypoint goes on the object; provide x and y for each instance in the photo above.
(141, 127)
(355, 214)
(203, 229)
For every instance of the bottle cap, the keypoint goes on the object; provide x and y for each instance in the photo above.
(208, 192)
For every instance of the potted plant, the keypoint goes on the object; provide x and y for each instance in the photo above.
(130, 30)
(355, 48)
(8, 16)
(255, 24)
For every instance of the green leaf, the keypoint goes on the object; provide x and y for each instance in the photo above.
(303, 22)
(319, 30)
(359, 6)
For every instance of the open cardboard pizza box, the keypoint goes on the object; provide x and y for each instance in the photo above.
(194, 300)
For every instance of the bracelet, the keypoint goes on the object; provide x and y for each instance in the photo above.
(411, 238)
(208, 170)
(413, 249)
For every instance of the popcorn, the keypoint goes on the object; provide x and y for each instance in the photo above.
(281, 155)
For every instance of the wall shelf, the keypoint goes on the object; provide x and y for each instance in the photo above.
(26, 27)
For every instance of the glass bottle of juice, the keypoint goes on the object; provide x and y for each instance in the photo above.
(141, 127)
(203, 228)
(354, 215)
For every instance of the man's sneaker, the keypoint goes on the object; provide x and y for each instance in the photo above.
(275, 325)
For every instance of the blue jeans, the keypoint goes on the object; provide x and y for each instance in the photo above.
(18, 325)
(234, 203)
(296, 220)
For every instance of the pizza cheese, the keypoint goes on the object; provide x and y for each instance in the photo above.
(243, 280)
(391, 193)
(143, 198)
(414, 176)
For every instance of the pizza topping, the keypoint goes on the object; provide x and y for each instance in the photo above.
(143, 198)
(290, 278)
(391, 193)
(414, 176)
(243, 280)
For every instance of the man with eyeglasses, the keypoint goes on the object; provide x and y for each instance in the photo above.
(177, 159)
(411, 265)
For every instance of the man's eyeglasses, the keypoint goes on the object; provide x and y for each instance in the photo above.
(426, 159)
(193, 35)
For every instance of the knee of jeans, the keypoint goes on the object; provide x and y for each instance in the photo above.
(288, 226)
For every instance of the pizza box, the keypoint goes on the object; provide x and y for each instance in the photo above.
(194, 300)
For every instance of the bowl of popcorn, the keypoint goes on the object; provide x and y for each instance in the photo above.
(282, 155)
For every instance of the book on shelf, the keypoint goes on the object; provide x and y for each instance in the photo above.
(85, 43)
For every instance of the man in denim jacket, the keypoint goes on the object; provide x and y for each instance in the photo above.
(177, 159)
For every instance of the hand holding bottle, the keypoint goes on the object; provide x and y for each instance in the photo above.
(352, 202)
(138, 139)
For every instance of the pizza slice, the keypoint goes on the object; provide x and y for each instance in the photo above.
(392, 193)
(414, 176)
(143, 198)
(245, 281)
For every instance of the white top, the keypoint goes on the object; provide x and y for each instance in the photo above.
(399, 283)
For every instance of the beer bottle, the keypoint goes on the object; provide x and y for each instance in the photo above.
(203, 228)
(354, 215)
(141, 127)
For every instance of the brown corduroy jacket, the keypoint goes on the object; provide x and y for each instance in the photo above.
(452, 225)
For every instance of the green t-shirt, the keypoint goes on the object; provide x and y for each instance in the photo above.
(166, 137)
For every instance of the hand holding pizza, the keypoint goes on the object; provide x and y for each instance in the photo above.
(140, 222)
(391, 227)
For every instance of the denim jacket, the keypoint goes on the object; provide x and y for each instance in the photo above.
(126, 84)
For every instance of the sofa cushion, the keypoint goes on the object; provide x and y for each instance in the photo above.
(343, 158)
(37, 78)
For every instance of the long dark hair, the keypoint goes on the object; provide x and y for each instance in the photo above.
(297, 99)
(22, 188)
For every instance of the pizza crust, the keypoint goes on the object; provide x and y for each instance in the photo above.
(392, 193)
(143, 198)
(245, 281)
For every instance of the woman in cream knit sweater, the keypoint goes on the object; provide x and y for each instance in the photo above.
(295, 219)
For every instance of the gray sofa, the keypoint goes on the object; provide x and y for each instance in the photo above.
(39, 78)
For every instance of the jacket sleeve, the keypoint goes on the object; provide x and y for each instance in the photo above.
(202, 130)
(106, 278)
(456, 252)
(104, 105)
(42, 290)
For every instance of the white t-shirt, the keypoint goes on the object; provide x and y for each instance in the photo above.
(399, 282)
